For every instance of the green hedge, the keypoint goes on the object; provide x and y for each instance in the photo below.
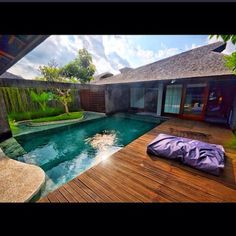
(18, 100)
(18, 116)
(70, 116)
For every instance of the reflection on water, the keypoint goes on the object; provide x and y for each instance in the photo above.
(66, 152)
(103, 140)
(105, 143)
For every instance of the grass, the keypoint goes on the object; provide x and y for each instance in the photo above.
(18, 116)
(13, 125)
(69, 116)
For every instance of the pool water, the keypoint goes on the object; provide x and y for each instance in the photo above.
(26, 129)
(67, 151)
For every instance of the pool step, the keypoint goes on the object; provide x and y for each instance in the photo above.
(12, 148)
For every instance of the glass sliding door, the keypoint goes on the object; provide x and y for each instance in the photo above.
(220, 100)
(194, 99)
(173, 99)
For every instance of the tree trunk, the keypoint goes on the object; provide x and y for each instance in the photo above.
(66, 108)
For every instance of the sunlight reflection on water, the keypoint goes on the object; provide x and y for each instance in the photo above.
(105, 143)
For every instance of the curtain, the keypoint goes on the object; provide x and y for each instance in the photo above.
(173, 99)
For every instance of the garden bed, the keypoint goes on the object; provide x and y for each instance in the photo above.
(59, 119)
(73, 116)
(26, 127)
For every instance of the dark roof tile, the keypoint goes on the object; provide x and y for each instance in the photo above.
(198, 62)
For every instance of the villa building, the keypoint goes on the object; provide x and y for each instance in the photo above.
(195, 85)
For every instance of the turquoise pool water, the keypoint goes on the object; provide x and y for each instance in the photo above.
(67, 151)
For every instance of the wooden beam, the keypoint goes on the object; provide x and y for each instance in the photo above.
(29, 46)
(15, 38)
(20, 41)
(11, 39)
(7, 55)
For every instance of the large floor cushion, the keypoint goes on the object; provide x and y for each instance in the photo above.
(200, 155)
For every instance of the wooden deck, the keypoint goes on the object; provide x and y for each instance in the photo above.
(131, 175)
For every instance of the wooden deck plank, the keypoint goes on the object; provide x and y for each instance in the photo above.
(70, 197)
(90, 183)
(44, 200)
(56, 196)
(117, 189)
(123, 185)
(52, 197)
(158, 174)
(80, 193)
(132, 175)
(154, 183)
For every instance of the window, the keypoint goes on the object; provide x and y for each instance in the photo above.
(194, 99)
(137, 97)
(173, 99)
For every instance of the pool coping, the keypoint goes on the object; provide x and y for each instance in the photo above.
(36, 124)
(14, 184)
(63, 124)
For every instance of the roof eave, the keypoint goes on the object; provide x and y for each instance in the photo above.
(34, 43)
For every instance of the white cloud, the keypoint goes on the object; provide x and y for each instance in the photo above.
(166, 52)
(109, 52)
(230, 47)
(214, 39)
(25, 68)
(193, 46)
(133, 53)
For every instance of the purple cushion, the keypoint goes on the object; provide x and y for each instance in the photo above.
(200, 155)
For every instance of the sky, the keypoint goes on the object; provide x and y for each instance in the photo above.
(109, 52)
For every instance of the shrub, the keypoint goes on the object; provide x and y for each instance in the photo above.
(35, 114)
(13, 125)
(65, 116)
(42, 98)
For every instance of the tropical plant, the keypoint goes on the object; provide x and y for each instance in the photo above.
(226, 37)
(18, 116)
(13, 125)
(42, 99)
(231, 61)
(64, 97)
(81, 68)
(51, 72)
(65, 116)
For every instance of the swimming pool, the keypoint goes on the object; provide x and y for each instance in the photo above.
(67, 151)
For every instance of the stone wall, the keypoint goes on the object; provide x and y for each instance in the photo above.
(117, 98)
(5, 131)
(20, 83)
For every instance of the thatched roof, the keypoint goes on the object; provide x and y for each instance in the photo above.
(125, 69)
(199, 62)
(102, 76)
(8, 75)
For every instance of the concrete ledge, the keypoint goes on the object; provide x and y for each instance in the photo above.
(19, 182)
(54, 122)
